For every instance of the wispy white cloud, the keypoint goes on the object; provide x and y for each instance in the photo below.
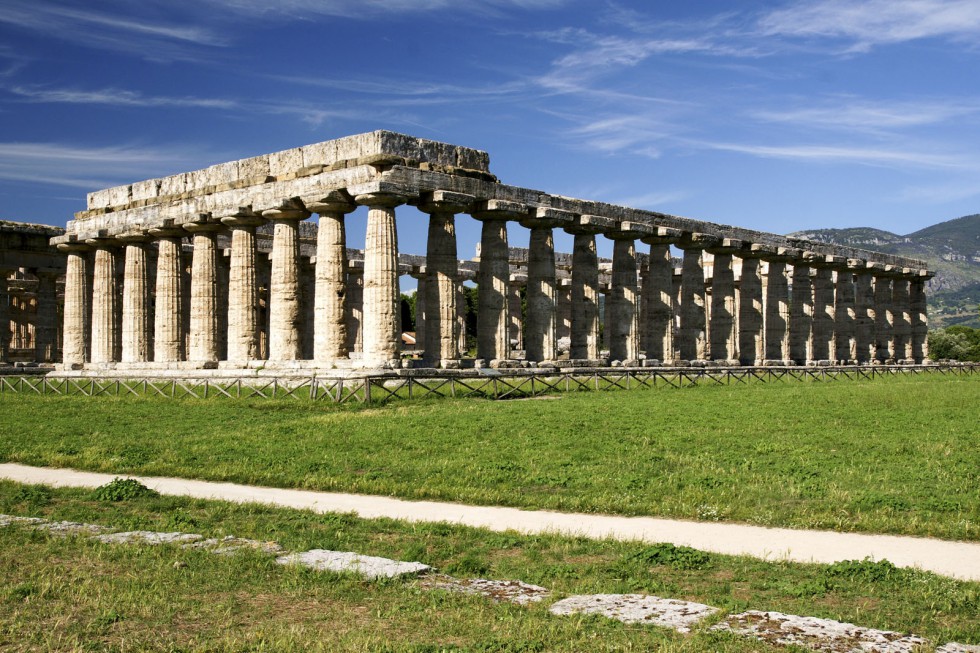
(847, 154)
(93, 167)
(868, 23)
(373, 8)
(652, 200)
(116, 97)
(851, 113)
(941, 193)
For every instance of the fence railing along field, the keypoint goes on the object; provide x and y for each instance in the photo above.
(490, 385)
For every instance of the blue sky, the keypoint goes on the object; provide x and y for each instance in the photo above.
(776, 116)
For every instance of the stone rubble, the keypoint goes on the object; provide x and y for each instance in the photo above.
(68, 528)
(148, 537)
(637, 609)
(818, 634)
(954, 647)
(231, 544)
(370, 567)
(9, 520)
(502, 591)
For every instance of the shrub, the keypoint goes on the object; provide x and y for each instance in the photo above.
(123, 489)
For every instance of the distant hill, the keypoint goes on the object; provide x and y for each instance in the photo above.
(951, 248)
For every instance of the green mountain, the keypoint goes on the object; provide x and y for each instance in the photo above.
(951, 248)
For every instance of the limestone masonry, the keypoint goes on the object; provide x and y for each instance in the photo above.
(172, 273)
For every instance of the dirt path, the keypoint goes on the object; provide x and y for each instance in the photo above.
(956, 559)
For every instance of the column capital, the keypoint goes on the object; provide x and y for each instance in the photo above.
(545, 217)
(782, 255)
(202, 227)
(499, 210)
(385, 200)
(133, 237)
(286, 214)
(72, 248)
(444, 201)
(167, 232)
(629, 231)
(727, 246)
(242, 221)
(334, 202)
(590, 225)
(696, 240)
(103, 243)
(663, 236)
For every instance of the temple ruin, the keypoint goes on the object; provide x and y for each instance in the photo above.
(165, 274)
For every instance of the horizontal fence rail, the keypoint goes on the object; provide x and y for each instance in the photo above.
(497, 386)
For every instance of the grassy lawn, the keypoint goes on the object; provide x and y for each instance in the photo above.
(893, 455)
(75, 594)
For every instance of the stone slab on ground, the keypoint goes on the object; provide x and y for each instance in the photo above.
(509, 591)
(10, 520)
(231, 544)
(370, 567)
(637, 609)
(148, 537)
(954, 647)
(818, 634)
(67, 528)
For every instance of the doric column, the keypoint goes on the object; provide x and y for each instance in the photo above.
(74, 339)
(419, 273)
(204, 292)
(692, 341)
(492, 341)
(776, 306)
(864, 313)
(46, 326)
(354, 310)
(902, 318)
(824, 318)
(464, 275)
(722, 331)
(4, 317)
(657, 334)
(541, 334)
(135, 299)
(329, 313)
(441, 333)
(884, 344)
(623, 325)
(243, 289)
(563, 294)
(382, 333)
(516, 287)
(285, 312)
(919, 316)
(106, 336)
(585, 287)
(168, 332)
(751, 322)
(845, 313)
(800, 311)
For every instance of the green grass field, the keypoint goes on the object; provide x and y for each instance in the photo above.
(893, 455)
(78, 595)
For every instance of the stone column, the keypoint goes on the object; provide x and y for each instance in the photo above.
(441, 333)
(204, 293)
(845, 313)
(516, 287)
(168, 332)
(623, 325)
(329, 313)
(658, 297)
(776, 307)
(902, 318)
(884, 344)
(106, 336)
(46, 326)
(584, 335)
(4, 317)
(382, 332)
(285, 312)
(800, 311)
(135, 300)
(461, 309)
(541, 331)
(563, 293)
(692, 336)
(722, 332)
(243, 289)
(919, 316)
(864, 313)
(492, 339)
(74, 339)
(822, 329)
(751, 333)
(419, 273)
(354, 310)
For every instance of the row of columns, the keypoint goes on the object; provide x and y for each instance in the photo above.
(868, 313)
(29, 318)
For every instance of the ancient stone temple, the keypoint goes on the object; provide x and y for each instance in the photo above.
(223, 268)
(31, 294)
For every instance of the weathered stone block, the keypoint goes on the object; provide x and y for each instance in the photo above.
(174, 184)
(99, 199)
(254, 167)
(285, 162)
(319, 153)
(119, 195)
(145, 190)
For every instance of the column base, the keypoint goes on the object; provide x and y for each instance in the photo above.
(772, 362)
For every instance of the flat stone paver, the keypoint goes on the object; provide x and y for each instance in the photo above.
(504, 591)
(11, 520)
(818, 634)
(231, 544)
(637, 609)
(67, 528)
(344, 561)
(953, 647)
(956, 559)
(148, 537)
